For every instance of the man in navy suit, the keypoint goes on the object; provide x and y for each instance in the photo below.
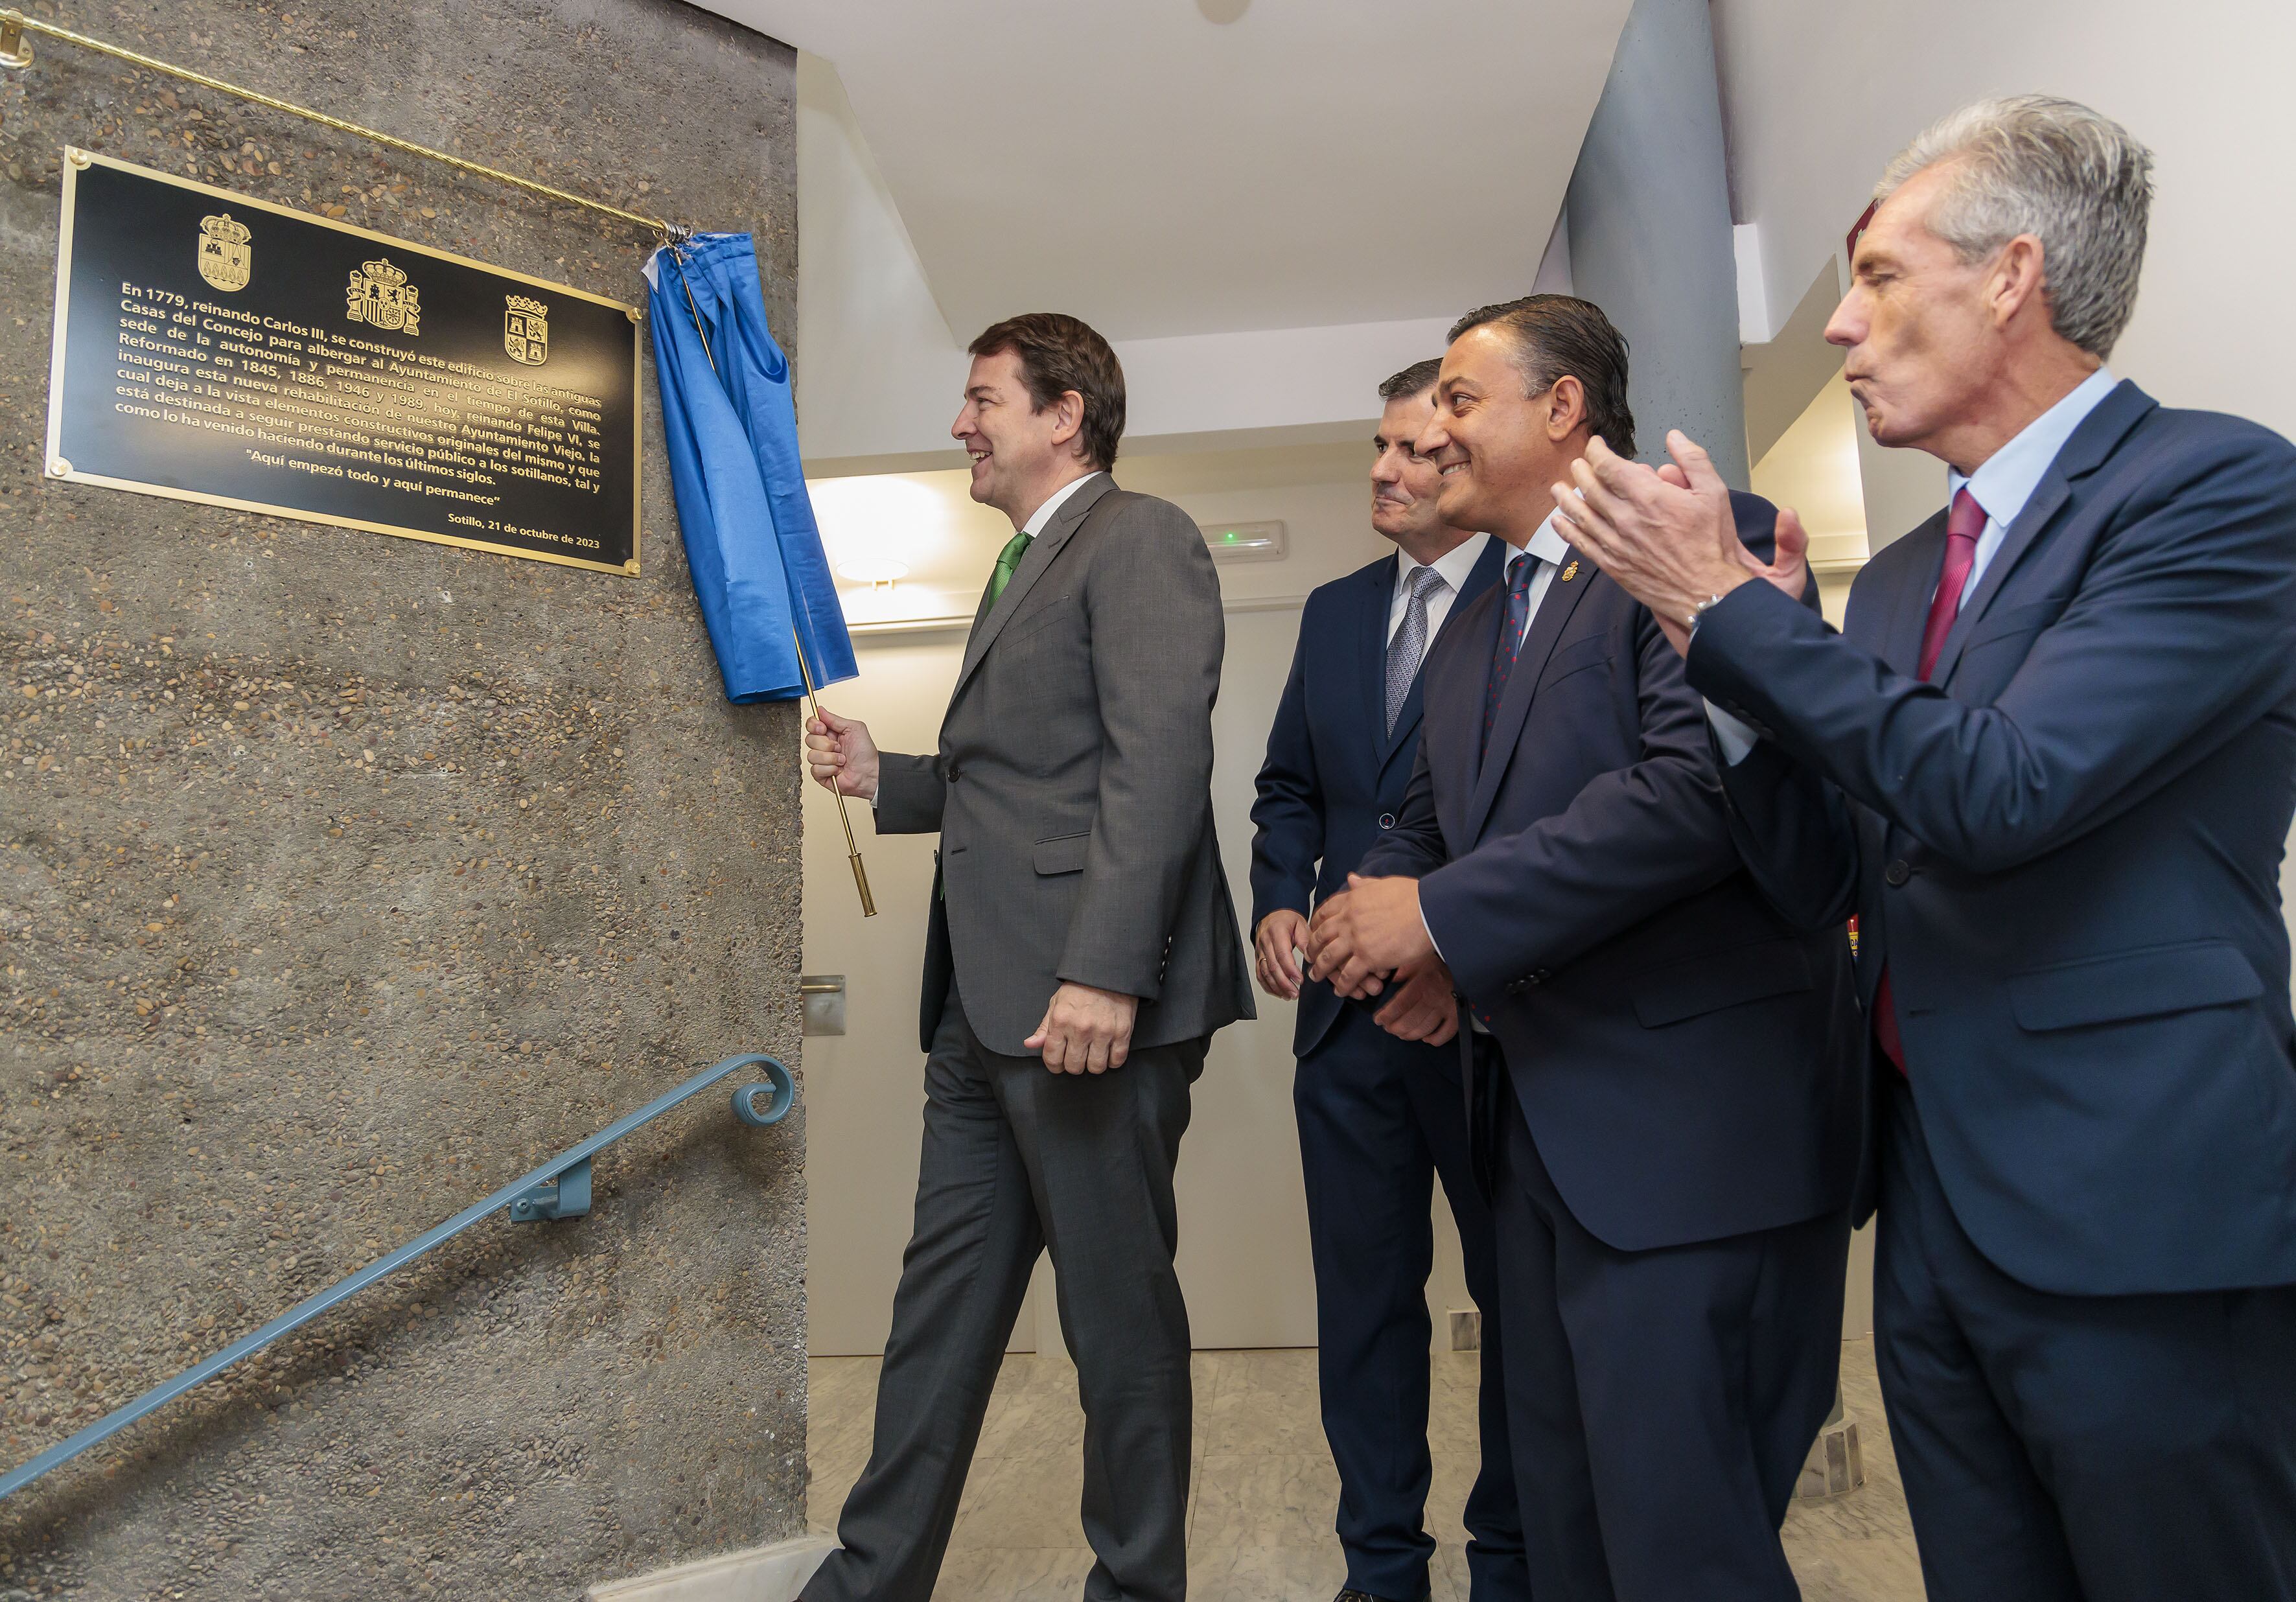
(1668, 1105)
(1378, 1117)
(2050, 762)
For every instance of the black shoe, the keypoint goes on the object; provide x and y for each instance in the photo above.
(1350, 1594)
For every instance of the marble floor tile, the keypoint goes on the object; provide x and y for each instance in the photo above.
(1030, 1500)
(1446, 1574)
(1263, 1499)
(1265, 1573)
(1013, 1574)
(1834, 1570)
(1263, 1491)
(1253, 1420)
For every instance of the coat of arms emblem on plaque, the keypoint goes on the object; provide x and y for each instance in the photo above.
(381, 298)
(225, 259)
(526, 332)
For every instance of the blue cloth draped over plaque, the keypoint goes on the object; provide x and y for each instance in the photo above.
(751, 539)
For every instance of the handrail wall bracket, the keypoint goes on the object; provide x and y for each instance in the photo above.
(566, 1197)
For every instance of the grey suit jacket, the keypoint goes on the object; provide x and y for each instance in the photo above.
(1072, 788)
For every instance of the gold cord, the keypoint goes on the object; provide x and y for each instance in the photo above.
(14, 53)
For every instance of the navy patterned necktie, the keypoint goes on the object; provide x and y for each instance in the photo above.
(1409, 644)
(1510, 643)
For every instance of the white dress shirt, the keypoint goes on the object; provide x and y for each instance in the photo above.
(1034, 527)
(1549, 550)
(2002, 485)
(1053, 504)
(1452, 567)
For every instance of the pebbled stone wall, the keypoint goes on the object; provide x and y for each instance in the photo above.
(344, 878)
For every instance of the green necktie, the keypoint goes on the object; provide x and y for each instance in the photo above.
(1007, 561)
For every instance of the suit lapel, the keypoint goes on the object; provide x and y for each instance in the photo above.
(1038, 556)
(1406, 732)
(2086, 451)
(1377, 599)
(1901, 636)
(1554, 609)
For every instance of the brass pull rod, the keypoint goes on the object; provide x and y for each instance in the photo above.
(804, 668)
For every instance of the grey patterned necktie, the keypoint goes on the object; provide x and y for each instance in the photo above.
(1409, 644)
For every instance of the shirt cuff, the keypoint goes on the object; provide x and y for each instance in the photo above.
(1431, 935)
(1736, 736)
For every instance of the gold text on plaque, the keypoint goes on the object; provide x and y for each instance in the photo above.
(381, 298)
(225, 258)
(526, 333)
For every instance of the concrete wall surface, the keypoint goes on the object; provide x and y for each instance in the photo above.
(344, 878)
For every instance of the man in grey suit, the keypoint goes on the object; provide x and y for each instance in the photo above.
(1082, 950)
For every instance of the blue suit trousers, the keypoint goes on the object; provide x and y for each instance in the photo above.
(1662, 1401)
(2078, 1448)
(1379, 1119)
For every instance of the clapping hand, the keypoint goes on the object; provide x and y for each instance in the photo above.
(1668, 535)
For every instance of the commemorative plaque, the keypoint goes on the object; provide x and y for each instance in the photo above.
(215, 347)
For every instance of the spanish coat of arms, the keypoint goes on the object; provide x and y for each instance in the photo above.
(225, 259)
(526, 332)
(381, 298)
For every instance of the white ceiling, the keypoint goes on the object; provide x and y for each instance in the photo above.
(1317, 162)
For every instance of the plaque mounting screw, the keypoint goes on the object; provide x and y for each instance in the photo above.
(59, 468)
(80, 159)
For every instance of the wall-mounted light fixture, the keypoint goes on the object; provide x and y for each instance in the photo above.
(878, 573)
(1245, 542)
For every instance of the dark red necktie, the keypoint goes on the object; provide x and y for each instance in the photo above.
(1963, 526)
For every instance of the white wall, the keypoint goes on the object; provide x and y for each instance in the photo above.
(1818, 94)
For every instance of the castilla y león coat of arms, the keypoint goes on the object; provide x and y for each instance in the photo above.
(225, 259)
(526, 335)
(381, 298)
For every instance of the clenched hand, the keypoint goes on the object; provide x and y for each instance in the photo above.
(1367, 932)
(1085, 1031)
(840, 753)
(1423, 1006)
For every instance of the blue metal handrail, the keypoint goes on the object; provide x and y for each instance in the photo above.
(559, 1188)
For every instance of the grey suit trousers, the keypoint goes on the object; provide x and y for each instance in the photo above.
(1018, 1160)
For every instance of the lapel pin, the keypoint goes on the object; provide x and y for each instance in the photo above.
(1572, 572)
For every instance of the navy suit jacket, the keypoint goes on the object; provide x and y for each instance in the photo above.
(1334, 776)
(2066, 848)
(1688, 1062)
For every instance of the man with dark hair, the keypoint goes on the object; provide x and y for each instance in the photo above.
(1661, 1066)
(1081, 951)
(1378, 1117)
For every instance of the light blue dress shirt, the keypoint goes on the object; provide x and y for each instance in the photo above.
(2001, 485)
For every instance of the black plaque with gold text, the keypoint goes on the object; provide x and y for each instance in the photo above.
(217, 348)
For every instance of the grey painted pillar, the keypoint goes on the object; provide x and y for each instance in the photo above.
(1649, 213)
